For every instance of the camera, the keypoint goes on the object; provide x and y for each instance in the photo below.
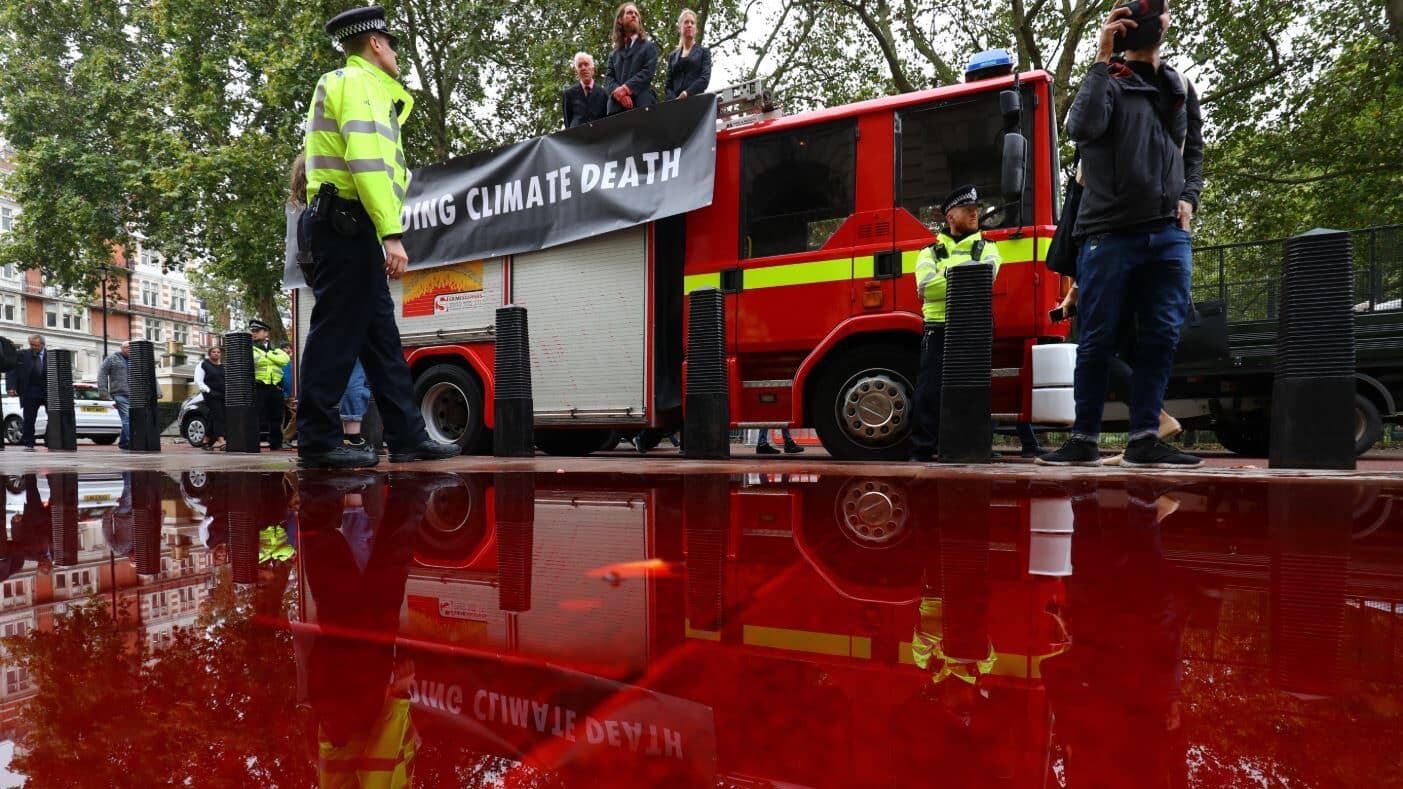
(1149, 31)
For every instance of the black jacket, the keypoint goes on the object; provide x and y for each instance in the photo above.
(22, 379)
(1132, 169)
(633, 67)
(692, 73)
(578, 109)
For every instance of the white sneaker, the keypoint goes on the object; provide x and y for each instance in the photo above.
(1113, 460)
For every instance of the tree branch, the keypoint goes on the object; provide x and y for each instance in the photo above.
(881, 30)
(944, 75)
(1252, 84)
(1312, 179)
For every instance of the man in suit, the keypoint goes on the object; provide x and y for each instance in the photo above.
(632, 64)
(583, 102)
(30, 382)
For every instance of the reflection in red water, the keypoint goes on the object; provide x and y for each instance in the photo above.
(513, 629)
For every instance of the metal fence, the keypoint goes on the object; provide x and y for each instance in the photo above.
(1246, 276)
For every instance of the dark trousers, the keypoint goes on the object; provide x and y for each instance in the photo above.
(31, 403)
(354, 318)
(215, 430)
(270, 412)
(1146, 274)
(925, 416)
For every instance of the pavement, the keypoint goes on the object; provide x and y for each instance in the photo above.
(174, 458)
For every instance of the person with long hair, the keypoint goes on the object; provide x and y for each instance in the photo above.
(632, 64)
(209, 379)
(688, 66)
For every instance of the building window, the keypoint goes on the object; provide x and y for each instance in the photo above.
(60, 581)
(10, 308)
(154, 330)
(150, 294)
(145, 258)
(51, 316)
(72, 317)
(797, 188)
(182, 334)
(16, 680)
(10, 271)
(177, 300)
(7, 219)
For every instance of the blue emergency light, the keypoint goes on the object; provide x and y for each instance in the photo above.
(989, 63)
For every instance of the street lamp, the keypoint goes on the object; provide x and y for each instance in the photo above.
(106, 273)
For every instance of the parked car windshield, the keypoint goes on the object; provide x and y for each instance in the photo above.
(86, 393)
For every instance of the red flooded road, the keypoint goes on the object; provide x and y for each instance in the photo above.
(245, 629)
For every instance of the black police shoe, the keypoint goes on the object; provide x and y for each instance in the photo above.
(426, 450)
(340, 457)
(792, 448)
(426, 483)
(1076, 452)
(336, 481)
(1150, 452)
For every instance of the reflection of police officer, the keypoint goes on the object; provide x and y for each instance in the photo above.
(356, 179)
(962, 243)
(357, 542)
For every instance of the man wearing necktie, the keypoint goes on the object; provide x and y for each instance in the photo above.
(632, 64)
(30, 382)
(584, 102)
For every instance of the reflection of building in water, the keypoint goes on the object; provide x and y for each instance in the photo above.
(100, 540)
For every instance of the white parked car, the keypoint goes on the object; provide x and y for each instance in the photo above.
(96, 418)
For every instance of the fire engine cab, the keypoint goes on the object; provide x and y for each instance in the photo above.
(812, 234)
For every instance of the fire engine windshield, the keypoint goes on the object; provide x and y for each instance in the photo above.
(955, 142)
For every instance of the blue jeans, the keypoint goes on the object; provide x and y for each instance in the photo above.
(123, 404)
(1148, 275)
(357, 396)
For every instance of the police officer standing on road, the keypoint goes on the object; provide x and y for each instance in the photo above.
(356, 179)
(961, 243)
(268, 364)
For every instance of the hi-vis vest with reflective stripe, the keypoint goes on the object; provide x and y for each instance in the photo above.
(930, 270)
(268, 364)
(353, 140)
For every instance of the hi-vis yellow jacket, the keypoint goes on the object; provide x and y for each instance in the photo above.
(353, 140)
(930, 269)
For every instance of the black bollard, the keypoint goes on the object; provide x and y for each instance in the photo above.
(966, 404)
(61, 433)
(146, 520)
(515, 498)
(1310, 528)
(63, 517)
(514, 432)
(142, 417)
(1312, 413)
(963, 541)
(706, 517)
(240, 405)
(706, 430)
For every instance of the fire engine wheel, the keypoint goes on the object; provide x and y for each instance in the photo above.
(450, 401)
(863, 402)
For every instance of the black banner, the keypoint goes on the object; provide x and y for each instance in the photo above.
(618, 172)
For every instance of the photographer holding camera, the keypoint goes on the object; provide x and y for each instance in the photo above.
(1140, 133)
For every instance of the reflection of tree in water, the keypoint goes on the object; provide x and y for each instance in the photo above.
(216, 707)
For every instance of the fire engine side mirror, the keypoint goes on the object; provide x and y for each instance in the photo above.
(1011, 107)
(1011, 179)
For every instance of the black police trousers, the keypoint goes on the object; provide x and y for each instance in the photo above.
(925, 412)
(354, 318)
(268, 399)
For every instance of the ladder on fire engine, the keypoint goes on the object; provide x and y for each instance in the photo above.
(745, 103)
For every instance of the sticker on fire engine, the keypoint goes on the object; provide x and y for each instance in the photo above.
(442, 291)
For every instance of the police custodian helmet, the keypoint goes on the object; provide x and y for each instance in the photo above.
(963, 195)
(370, 19)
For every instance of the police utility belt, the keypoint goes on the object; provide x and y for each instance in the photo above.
(344, 217)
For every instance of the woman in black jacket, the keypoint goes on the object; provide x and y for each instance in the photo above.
(209, 379)
(689, 66)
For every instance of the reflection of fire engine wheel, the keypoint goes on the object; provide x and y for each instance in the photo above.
(450, 401)
(873, 512)
(862, 403)
(454, 523)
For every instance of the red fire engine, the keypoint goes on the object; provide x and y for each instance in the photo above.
(812, 234)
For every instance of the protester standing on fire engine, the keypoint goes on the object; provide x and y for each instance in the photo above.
(1138, 127)
(961, 243)
(584, 102)
(689, 66)
(356, 177)
(632, 64)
